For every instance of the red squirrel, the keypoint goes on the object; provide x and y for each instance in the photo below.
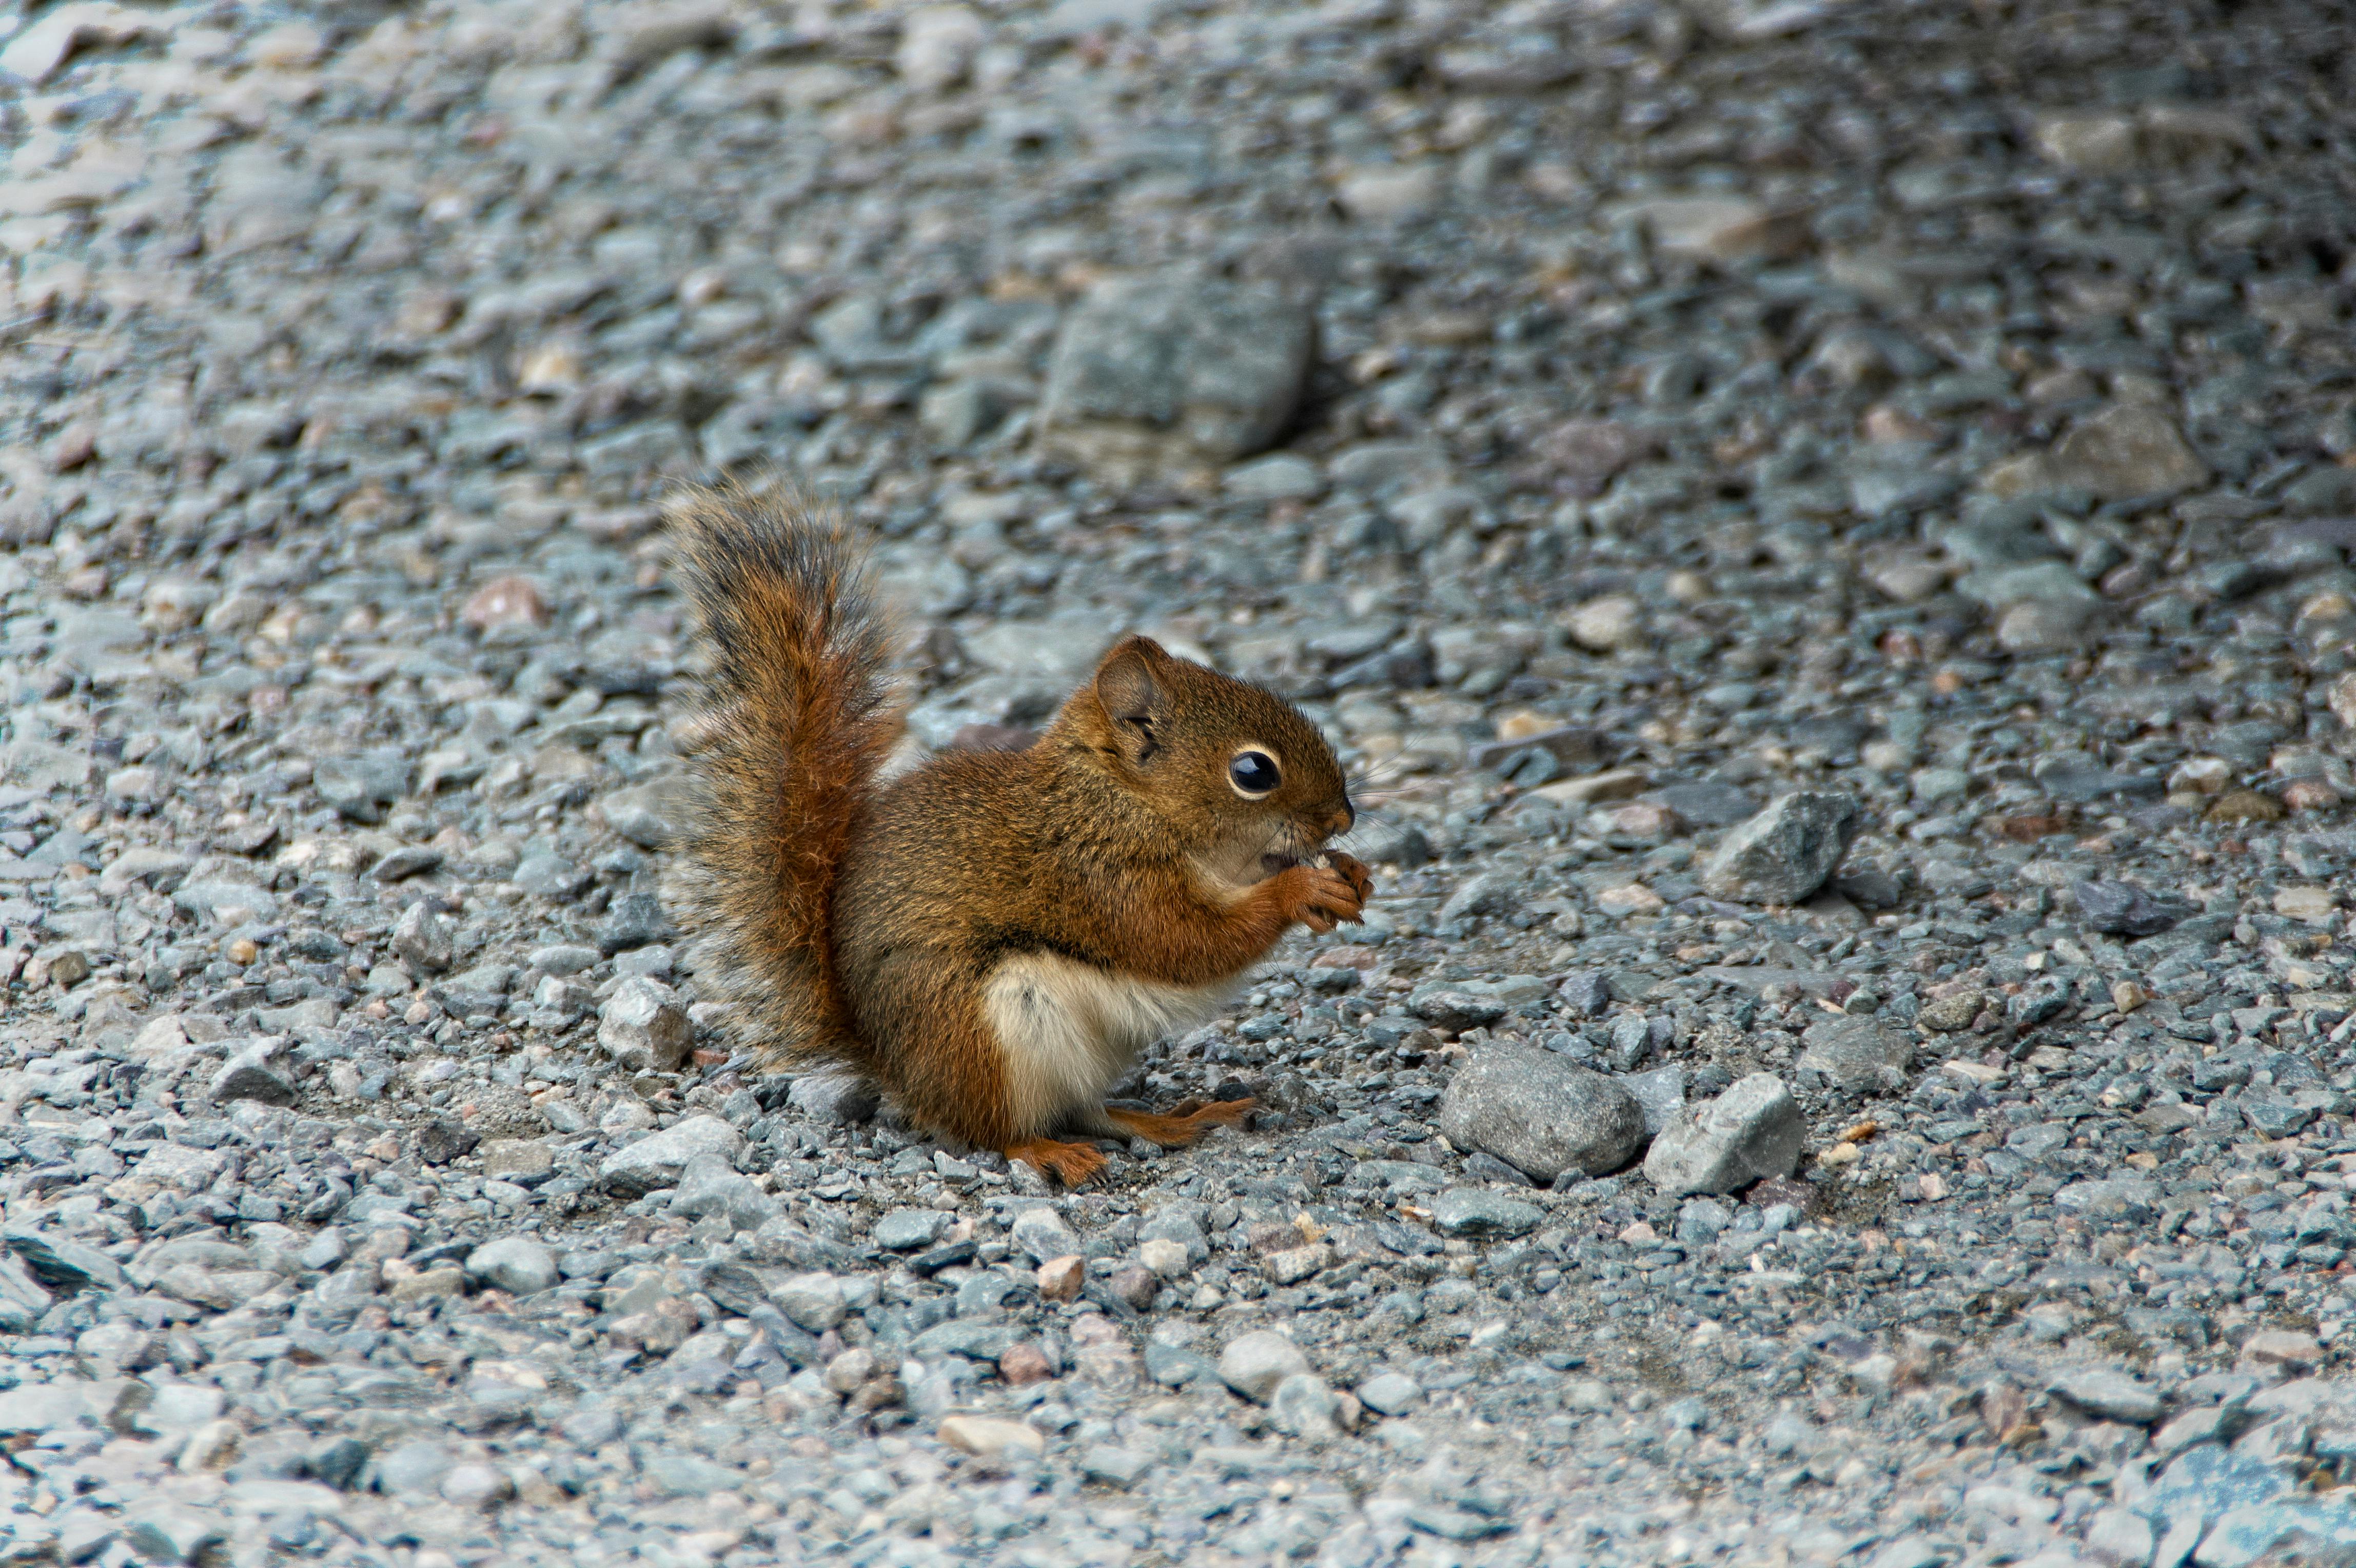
(992, 937)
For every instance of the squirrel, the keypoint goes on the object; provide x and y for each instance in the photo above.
(989, 937)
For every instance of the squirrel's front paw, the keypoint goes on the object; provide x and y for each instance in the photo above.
(1317, 897)
(1354, 871)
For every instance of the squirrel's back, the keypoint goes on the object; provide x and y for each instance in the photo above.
(794, 719)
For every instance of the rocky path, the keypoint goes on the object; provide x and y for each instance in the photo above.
(1824, 527)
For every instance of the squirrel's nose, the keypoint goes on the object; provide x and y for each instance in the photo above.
(1346, 819)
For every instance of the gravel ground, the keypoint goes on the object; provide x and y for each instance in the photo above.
(1824, 527)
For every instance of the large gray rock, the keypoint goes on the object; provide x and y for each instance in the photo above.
(658, 1159)
(643, 1026)
(906, 1229)
(710, 1184)
(422, 937)
(1254, 1364)
(1175, 372)
(1390, 1394)
(38, 1408)
(1541, 1114)
(519, 1265)
(250, 1074)
(1854, 1051)
(1783, 854)
(813, 1301)
(1660, 1093)
(361, 787)
(1753, 1131)
(2129, 450)
(1043, 1234)
(1303, 1406)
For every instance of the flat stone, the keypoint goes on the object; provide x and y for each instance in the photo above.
(2113, 1396)
(414, 1467)
(550, 877)
(251, 1078)
(2115, 1198)
(1477, 1213)
(1391, 1393)
(658, 1159)
(1173, 1366)
(710, 1185)
(46, 1407)
(1660, 1094)
(524, 1160)
(58, 1260)
(908, 1230)
(1280, 476)
(2124, 909)
(1454, 1006)
(988, 1438)
(1708, 227)
(422, 937)
(1708, 804)
(677, 1474)
(1292, 1264)
(408, 861)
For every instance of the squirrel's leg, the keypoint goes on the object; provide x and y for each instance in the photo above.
(1072, 1164)
(1177, 1132)
(965, 1089)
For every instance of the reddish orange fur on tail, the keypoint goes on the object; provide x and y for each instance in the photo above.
(795, 717)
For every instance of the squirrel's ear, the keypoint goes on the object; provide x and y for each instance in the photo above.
(1126, 688)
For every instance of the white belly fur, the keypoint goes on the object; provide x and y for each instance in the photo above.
(1067, 1031)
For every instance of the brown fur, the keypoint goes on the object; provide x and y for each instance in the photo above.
(792, 720)
(860, 923)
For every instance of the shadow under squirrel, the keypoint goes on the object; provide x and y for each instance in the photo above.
(990, 937)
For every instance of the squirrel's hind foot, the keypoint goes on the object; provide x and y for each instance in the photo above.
(1074, 1165)
(1178, 1132)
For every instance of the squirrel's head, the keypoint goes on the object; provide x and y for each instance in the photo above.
(1239, 774)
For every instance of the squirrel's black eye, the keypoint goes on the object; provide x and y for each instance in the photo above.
(1253, 773)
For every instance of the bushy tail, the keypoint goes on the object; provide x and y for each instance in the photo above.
(794, 719)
